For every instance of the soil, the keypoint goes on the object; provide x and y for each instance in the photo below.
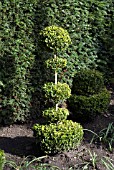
(18, 142)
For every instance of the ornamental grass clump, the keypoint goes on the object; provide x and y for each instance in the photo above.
(58, 134)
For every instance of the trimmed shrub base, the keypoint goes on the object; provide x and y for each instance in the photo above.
(62, 136)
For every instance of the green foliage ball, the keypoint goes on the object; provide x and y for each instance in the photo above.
(87, 82)
(56, 63)
(55, 38)
(57, 92)
(84, 108)
(58, 137)
(54, 116)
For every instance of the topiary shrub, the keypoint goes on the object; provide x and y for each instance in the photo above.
(87, 82)
(55, 138)
(84, 107)
(60, 134)
(54, 116)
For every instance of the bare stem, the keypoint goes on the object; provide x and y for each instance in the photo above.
(56, 82)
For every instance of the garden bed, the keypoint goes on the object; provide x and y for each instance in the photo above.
(18, 142)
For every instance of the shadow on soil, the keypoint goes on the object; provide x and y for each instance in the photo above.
(20, 146)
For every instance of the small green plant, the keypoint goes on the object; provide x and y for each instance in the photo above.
(58, 137)
(2, 159)
(26, 163)
(108, 163)
(93, 159)
(106, 136)
(47, 167)
(1, 86)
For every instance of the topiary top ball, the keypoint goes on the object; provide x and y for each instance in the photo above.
(55, 38)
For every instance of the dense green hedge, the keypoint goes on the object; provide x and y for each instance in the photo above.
(86, 108)
(87, 82)
(91, 30)
(89, 95)
(88, 23)
(16, 58)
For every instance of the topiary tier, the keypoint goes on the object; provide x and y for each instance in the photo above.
(58, 137)
(54, 116)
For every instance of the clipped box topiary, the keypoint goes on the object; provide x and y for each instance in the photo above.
(59, 134)
(85, 108)
(87, 82)
(57, 92)
(55, 38)
(54, 138)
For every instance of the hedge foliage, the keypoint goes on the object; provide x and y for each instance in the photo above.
(58, 137)
(87, 82)
(89, 95)
(90, 24)
(16, 59)
(85, 108)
